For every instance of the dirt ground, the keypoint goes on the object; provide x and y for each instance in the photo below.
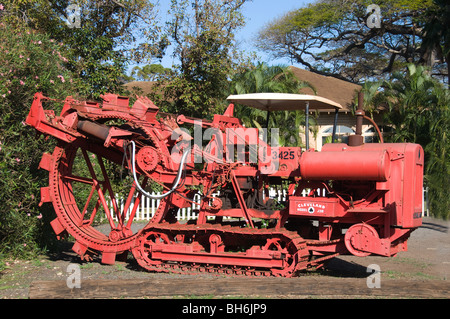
(426, 263)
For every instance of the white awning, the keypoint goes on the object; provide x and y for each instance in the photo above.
(283, 101)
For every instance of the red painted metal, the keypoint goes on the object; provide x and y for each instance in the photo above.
(361, 165)
(364, 199)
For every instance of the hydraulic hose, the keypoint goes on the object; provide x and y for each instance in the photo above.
(175, 184)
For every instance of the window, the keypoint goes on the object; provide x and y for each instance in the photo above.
(342, 134)
(371, 135)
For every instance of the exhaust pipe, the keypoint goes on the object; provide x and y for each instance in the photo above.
(357, 139)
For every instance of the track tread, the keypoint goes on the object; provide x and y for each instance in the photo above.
(228, 230)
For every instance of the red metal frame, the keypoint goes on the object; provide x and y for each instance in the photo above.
(364, 199)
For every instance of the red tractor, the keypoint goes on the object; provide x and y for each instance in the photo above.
(358, 199)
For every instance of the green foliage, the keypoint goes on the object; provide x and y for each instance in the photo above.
(316, 15)
(437, 36)
(150, 72)
(41, 53)
(264, 78)
(419, 112)
(331, 37)
(438, 162)
(202, 33)
(30, 62)
(95, 62)
(107, 36)
(413, 99)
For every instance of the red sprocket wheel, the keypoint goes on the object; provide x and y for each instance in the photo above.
(83, 196)
(358, 239)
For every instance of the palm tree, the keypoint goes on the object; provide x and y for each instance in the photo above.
(412, 99)
(419, 112)
(276, 79)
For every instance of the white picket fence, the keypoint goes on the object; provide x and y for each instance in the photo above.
(147, 206)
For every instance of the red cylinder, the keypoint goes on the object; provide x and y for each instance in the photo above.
(346, 165)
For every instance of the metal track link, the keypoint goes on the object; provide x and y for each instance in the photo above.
(291, 241)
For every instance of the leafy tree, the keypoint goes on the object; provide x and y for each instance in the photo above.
(202, 33)
(41, 53)
(265, 78)
(102, 36)
(99, 67)
(438, 162)
(333, 37)
(412, 99)
(30, 62)
(419, 109)
(150, 72)
(437, 35)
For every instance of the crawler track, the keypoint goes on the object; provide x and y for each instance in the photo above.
(215, 249)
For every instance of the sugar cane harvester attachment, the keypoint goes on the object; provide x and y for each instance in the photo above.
(361, 199)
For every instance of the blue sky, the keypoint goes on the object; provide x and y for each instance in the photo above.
(257, 13)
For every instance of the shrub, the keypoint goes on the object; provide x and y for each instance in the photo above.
(30, 62)
(419, 109)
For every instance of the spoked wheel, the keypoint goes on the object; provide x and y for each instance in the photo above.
(289, 251)
(145, 243)
(87, 189)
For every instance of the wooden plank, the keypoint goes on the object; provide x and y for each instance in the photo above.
(262, 287)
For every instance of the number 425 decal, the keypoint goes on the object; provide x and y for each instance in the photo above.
(284, 155)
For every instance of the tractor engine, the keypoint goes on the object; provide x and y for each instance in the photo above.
(358, 199)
